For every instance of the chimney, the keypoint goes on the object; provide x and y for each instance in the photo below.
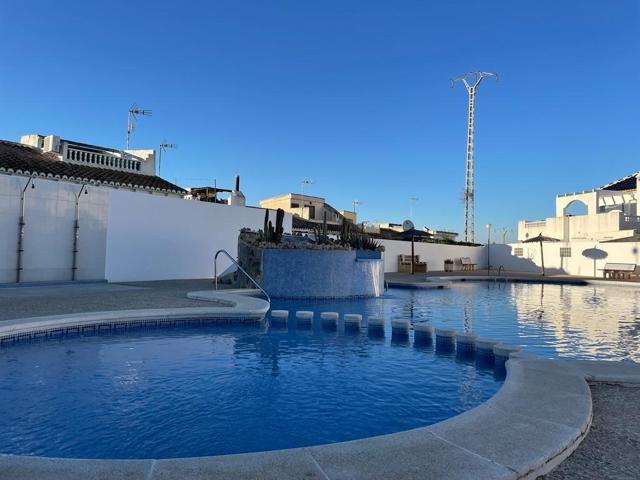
(237, 198)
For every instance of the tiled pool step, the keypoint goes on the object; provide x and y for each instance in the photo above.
(449, 338)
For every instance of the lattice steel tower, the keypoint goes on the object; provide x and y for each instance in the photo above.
(471, 81)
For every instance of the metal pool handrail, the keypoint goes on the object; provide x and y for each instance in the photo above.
(215, 272)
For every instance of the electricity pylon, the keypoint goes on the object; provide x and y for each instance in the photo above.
(471, 81)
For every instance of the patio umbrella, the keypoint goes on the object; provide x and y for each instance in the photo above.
(595, 254)
(411, 234)
(541, 238)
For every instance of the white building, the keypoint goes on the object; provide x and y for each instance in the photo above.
(139, 161)
(611, 214)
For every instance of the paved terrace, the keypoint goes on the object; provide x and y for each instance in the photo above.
(609, 450)
(437, 279)
(35, 301)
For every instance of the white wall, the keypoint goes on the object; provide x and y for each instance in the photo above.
(577, 264)
(433, 253)
(49, 230)
(159, 238)
(124, 235)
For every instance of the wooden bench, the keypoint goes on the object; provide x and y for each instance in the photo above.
(404, 264)
(467, 264)
(620, 271)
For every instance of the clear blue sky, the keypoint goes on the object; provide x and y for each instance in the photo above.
(353, 94)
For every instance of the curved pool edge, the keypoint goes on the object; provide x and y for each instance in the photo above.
(232, 307)
(538, 418)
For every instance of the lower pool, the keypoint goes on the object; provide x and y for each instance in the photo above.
(195, 391)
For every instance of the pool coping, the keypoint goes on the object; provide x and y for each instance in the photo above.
(231, 307)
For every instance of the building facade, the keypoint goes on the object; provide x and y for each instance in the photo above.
(307, 207)
(137, 161)
(611, 214)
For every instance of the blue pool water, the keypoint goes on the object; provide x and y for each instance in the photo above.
(193, 391)
(567, 321)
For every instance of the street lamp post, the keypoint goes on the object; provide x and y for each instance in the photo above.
(355, 204)
(488, 226)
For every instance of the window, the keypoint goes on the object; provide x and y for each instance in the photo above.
(295, 205)
(312, 212)
(565, 251)
(518, 251)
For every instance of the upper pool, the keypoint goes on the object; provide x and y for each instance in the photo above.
(553, 320)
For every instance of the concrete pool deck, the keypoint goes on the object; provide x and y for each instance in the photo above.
(445, 279)
(536, 420)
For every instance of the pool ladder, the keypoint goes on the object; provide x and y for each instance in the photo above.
(498, 279)
(234, 261)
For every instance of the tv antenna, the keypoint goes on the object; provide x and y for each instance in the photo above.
(305, 181)
(164, 146)
(412, 202)
(134, 111)
(504, 231)
(471, 81)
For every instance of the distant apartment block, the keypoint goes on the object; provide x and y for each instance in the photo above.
(307, 207)
(611, 214)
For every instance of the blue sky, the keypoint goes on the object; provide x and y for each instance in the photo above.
(353, 94)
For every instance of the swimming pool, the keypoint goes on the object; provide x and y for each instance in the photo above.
(552, 320)
(219, 389)
(195, 391)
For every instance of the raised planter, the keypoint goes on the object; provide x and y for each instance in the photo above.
(304, 273)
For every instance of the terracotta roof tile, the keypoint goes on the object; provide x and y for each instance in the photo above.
(26, 160)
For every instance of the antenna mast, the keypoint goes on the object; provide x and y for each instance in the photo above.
(134, 111)
(471, 81)
(163, 148)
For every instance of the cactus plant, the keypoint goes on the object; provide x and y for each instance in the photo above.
(272, 234)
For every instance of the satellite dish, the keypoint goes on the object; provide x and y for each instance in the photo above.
(407, 225)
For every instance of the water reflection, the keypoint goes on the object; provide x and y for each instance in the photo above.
(584, 321)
